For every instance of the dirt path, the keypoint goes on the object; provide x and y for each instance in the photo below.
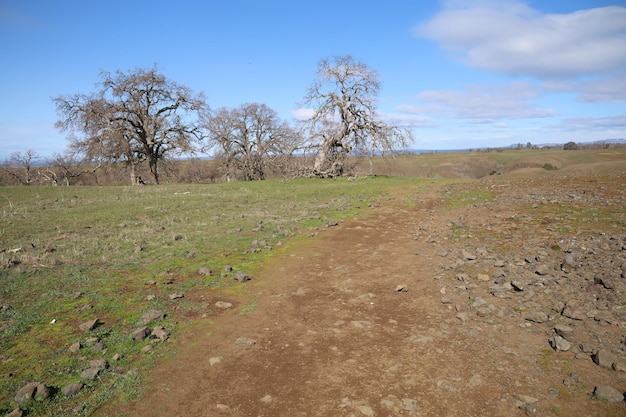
(333, 336)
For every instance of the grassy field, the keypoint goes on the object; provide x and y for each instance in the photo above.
(70, 255)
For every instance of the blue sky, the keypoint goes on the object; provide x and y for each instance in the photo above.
(463, 73)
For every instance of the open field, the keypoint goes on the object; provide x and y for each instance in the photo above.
(71, 255)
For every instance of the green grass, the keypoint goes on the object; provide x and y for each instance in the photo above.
(100, 251)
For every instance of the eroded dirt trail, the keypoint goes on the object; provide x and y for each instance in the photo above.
(334, 337)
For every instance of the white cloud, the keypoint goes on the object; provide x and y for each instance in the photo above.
(510, 37)
(615, 124)
(482, 104)
(303, 114)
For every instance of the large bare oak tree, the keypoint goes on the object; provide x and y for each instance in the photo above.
(249, 139)
(343, 97)
(135, 117)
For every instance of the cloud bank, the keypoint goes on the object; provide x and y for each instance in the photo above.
(510, 37)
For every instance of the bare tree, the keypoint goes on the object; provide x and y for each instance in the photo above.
(135, 117)
(249, 140)
(19, 166)
(343, 97)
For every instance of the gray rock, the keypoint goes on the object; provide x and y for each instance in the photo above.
(31, 390)
(528, 409)
(608, 393)
(559, 344)
(563, 330)
(242, 341)
(99, 364)
(604, 358)
(91, 373)
(72, 389)
(205, 271)
(159, 333)
(542, 269)
(90, 325)
(537, 317)
(176, 295)
(150, 316)
(467, 256)
(223, 305)
(241, 276)
(140, 333)
(75, 347)
(573, 312)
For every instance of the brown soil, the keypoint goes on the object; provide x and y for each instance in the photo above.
(334, 337)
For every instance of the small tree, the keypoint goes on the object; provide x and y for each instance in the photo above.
(135, 117)
(570, 146)
(248, 139)
(343, 97)
(19, 166)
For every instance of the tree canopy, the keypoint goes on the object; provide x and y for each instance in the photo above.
(343, 98)
(135, 117)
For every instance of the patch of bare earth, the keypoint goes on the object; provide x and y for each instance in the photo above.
(422, 310)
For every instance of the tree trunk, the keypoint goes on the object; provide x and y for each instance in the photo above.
(153, 162)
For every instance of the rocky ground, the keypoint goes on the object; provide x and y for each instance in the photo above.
(498, 297)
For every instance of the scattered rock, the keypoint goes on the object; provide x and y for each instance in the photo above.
(242, 341)
(90, 373)
(159, 333)
(401, 288)
(215, 360)
(140, 333)
(559, 344)
(74, 347)
(30, 391)
(266, 399)
(72, 389)
(608, 393)
(150, 316)
(176, 296)
(223, 305)
(366, 410)
(90, 325)
(241, 276)
(604, 358)
(205, 271)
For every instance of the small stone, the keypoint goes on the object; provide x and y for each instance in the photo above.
(222, 407)
(72, 389)
(31, 390)
(467, 256)
(608, 393)
(150, 316)
(75, 347)
(537, 317)
(528, 409)
(241, 276)
(223, 305)
(98, 363)
(604, 358)
(176, 295)
(215, 360)
(116, 357)
(140, 333)
(563, 330)
(245, 342)
(542, 269)
(401, 288)
(205, 271)
(91, 373)
(366, 410)
(483, 277)
(559, 344)
(147, 348)
(178, 237)
(89, 325)
(159, 333)
(266, 399)
(408, 404)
